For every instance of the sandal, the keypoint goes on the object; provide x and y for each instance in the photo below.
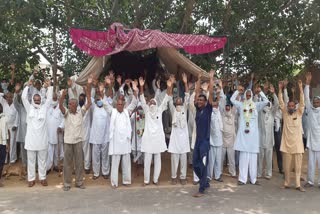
(31, 183)
(66, 188)
(44, 182)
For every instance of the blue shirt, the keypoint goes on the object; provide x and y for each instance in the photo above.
(203, 118)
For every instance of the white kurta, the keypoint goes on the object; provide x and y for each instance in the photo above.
(179, 139)
(266, 124)
(248, 142)
(22, 123)
(37, 132)
(10, 113)
(99, 133)
(54, 119)
(216, 127)
(120, 128)
(313, 134)
(153, 139)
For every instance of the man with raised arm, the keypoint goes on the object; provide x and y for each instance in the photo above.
(73, 138)
(202, 144)
(291, 143)
(247, 140)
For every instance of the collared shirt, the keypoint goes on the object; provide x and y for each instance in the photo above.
(73, 131)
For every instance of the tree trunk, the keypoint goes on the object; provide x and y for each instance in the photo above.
(187, 15)
(55, 58)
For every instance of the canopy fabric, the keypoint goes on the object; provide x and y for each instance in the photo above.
(170, 57)
(101, 43)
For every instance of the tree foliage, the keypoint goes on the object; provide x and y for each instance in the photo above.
(269, 37)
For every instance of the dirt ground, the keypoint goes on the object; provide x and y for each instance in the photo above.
(54, 179)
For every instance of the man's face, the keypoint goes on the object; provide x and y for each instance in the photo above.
(152, 102)
(228, 108)
(82, 99)
(120, 105)
(9, 98)
(73, 106)
(291, 106)
(215, 105)
(179, 102)
(201, 102)
(316, 103)
(37, 99)
(248, 95)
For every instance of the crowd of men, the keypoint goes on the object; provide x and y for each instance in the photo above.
(117, 120)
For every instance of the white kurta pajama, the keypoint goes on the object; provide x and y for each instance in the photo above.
(266, 137)
(313, 137)
(36, 141)
(153, 139)
(99, 138)
(248, 143)
(179, 140)
(120, 141)
(12, 119)
(215, 152)
(228, 135)
(54, 119)
(137, 124)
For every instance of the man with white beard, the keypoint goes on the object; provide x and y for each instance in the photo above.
(12, 123)
(36, 142)
(266, 137)
(179, 140)
(247, 140)
(99, 138)
(55, 118)
(120, 134)
(153, 139)
(313, 134)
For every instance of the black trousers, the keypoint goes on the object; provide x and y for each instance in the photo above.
(2, 158)
(277, 144)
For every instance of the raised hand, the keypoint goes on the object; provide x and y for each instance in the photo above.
(184, 78)
(308, 78)
(271, 89)
(240, 89)
(17, 87)
(69, 82)
(119, 79)
(172, 78)
(158, 84)
(90, 79)
(101, 88)
(141, 81)
(205, 86)
(134, 85)
(107, 80)
(64, 92)
(169, 83)
(212, 73)
(300, 84)
(285, 83)
(281, 85)
(128, 81)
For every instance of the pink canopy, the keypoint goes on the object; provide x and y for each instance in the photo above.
(101, 43)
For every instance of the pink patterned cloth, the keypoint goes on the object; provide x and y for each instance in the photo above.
(100, 43)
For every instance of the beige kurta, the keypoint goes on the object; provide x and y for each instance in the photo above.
(291, 141)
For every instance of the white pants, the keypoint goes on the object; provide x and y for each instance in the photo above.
(156, 167)
(13, 146)
(126, 169)
(100, 158)
(229, 151)
(53, 155)
(265, 154)
(314, 158)
(175, 159)
(248, 161)
(86, 154)
(214, 162)
(42, 159)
